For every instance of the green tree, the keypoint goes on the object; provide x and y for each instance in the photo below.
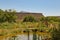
(53, 18)
(1, 15)
(44, 20)
(6, 15)
(10, 16)
(29, 19)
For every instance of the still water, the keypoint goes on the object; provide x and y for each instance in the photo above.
(23, 37)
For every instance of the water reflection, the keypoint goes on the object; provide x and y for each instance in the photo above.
(24, 36)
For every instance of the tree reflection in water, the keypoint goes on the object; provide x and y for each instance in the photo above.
(13, 38)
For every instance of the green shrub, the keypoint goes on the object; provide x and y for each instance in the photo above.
(29, 19)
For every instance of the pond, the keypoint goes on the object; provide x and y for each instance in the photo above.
(25, 37)
(28, 36)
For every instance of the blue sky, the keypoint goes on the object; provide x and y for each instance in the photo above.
(47, 7)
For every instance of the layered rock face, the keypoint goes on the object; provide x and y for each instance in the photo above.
(21, 15)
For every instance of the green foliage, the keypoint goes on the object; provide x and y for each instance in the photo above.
(56, 33)
(7, 16)
(29, 19)
(42, 18)
(53, 18)
(7, 25)
(42, 27)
